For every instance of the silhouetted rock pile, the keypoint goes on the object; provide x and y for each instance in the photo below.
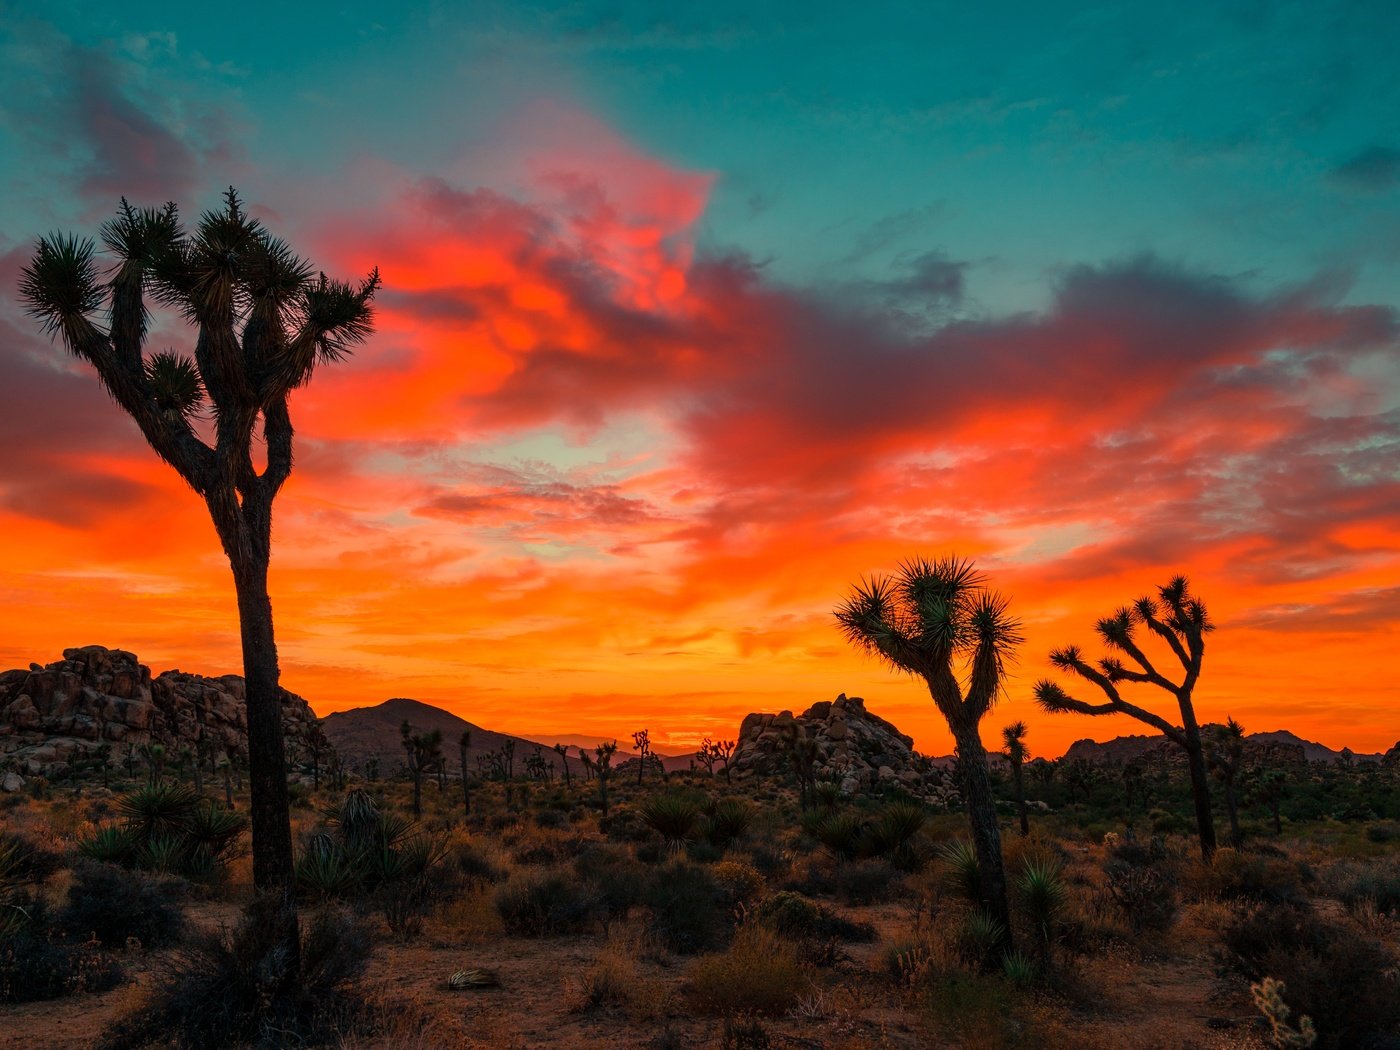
(53, 715)
(854, 748)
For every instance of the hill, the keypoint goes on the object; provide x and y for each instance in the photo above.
(1128, 748)
(365, 734)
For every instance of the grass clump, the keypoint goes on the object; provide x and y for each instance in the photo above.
(758, 973)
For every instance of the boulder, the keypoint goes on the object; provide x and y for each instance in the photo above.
(56, 716)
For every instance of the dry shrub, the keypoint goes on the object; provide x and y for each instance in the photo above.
(759, 973)
(739, 882)
(1237, 875)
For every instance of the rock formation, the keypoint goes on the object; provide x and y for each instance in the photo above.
(854, 748)
(1278, 748)
(51, 716)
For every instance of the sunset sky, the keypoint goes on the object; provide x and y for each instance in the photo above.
(691, 320)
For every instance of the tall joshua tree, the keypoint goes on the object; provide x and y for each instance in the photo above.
(263, 319)
(932, 619)
(1013, 739)
(1179, 619)
(641, 743)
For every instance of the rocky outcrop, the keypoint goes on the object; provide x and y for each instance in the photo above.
(54, 715)
(1261, 750)
(853, 747)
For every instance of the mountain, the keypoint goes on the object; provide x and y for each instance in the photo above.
(365, 733)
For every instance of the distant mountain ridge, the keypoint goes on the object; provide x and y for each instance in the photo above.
(1128, 748)
(362, 734)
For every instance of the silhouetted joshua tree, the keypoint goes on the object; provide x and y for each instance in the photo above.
(563, 750)
(263, 319)
(464, 743)
(602, 768)
(1225, 755)
(423, 753)
(927, 619)
(1013, 739)
(1178, 618)
(641, 743)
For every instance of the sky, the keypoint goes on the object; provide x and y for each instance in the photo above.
(693, 318)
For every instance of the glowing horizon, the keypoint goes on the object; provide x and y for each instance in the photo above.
(606, 465)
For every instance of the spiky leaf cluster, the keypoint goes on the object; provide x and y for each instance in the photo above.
(932, 618)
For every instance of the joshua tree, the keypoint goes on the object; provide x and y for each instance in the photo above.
(1269, 789)
(316, 745)
(1179, 619)
(603, 768)
(154, 755)
(1225, 754)
(641, 743)
(424, 754)
(1080, 776)
(587, 763)
(535, 766)
(708, 755)
(1013, 738)
(263, 320)
(563, 750)
(926, 620)
(463, 744)
(725, 750)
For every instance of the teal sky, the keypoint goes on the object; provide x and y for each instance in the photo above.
(1253, 140)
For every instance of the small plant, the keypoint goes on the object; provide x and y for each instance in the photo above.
(961, 875)
(727, 822)
(168, 828)
(1042, 893)
(1144, 894)
(674, 817)
(234, 988)
(546, 904)
(979, 937)
(1268, 999)
(840, 833)
(685, 908)
(759, 973)
(113, 906)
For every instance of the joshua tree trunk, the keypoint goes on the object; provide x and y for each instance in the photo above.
(1018, 776)
(1200, 789)
(982, 817)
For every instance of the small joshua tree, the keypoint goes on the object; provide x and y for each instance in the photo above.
(925, 620)
(1269, 788)
(563, 750)
(725, 749)
(424, 754)
(464, 743)
(641, 743)
(1013, 739)
(708, 755)
(1179, 619)
(1225, 754)
(602, 767)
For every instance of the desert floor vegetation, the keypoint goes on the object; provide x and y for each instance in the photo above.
(702, 912)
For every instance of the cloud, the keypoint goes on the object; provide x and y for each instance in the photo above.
(1376, 169)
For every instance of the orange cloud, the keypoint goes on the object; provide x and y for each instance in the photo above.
(588, 478)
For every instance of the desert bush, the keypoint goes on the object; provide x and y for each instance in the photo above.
(1346, 981)
(839, 833)
(794, 916)
(544, 904)
(25, 862)
(687, 913)
(1238, 875)
(625, 824)
(739, 883)
(758, 973)
(975, 1009)
(474, 865)
(615, 879)
(36, 963)
(233, 988)
(1145, 894)
(861, 882)
(552, 819)
(113, 905)
(891, 834)
(606, 983)
(1356, 882)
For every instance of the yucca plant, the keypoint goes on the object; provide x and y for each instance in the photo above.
(727, 822)
(164, 808)
(979, 937)
(961, 875)
(840, 833)
(1041, 890)
(327, 872)
(892, 832)
(109, 844)
(674, 817)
